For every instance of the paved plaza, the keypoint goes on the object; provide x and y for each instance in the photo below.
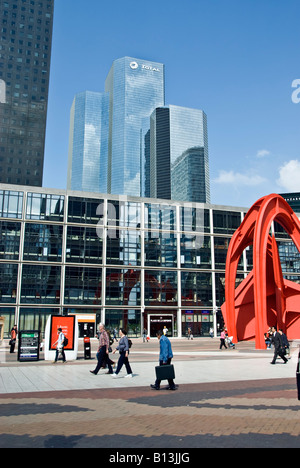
(228, 398)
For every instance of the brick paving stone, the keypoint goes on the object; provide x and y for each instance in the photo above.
(255, 413)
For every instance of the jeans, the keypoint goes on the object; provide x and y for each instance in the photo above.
(123, 360)
(62, 351)
(103, 359)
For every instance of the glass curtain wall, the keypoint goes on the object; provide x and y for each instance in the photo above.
(130, 262)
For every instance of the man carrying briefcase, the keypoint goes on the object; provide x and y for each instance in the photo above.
(165, 369)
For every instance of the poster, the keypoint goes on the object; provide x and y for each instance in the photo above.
(67, 324)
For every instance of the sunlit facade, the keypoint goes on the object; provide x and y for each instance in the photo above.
(88, 142)
(136, 88)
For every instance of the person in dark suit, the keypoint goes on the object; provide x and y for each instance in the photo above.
(278, 346)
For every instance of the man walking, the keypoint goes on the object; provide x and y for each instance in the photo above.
(60, 343)
(103, 351)
(165, 358)
(277, 342)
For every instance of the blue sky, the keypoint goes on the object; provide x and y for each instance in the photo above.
(234, 59)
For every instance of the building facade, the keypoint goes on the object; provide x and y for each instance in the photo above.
(88, 142)
(25, 53)
(179, 165)
(126, 261)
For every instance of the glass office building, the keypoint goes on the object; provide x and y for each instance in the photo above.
(88, 142)
(25, 52)
(126, 261)
(136, 88)
(179, 164)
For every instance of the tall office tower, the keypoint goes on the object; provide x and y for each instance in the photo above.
(88, 142)
(179, 166)
(136, 88)
(25, 52)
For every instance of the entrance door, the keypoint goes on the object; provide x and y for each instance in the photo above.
(159, 322)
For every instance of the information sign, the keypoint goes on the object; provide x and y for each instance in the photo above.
(29, 345)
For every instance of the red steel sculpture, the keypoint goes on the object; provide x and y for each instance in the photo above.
(264, 298)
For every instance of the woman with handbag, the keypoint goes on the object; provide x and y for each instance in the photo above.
(13, 339)
(123, 349)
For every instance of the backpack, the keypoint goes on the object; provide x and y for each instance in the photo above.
(65, 342)
(129, 343)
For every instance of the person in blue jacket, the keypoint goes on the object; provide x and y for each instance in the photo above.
(165, 357)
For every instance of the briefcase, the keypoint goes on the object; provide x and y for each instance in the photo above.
(166, 372)
(298, 376)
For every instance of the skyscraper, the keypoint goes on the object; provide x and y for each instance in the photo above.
(25, 52)
(179, 167)
(88, 142)
(136, 88)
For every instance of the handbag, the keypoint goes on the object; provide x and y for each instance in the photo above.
(165, 372)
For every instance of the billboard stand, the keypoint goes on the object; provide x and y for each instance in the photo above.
(28, 345)
(69, 326)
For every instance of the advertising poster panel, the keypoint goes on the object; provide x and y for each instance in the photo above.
(67, 324)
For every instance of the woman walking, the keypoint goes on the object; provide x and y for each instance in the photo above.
(123, 349)
(222, 339)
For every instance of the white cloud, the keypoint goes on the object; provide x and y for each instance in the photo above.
(237, 179)
(289, 176)
(263, 153)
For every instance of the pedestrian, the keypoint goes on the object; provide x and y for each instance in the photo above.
(123, 349)
(115, 335)
(59, 346)
(145, 336)
(103, 351)
(211, 332)
(279, 350)
(165, 358)
(222, 339)
(285, 342)
(267, 340)
(13, 339)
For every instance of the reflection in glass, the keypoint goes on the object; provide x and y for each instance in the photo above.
(10, 240)
(40, 284)
(160, 249)
(84, 245)
(195, 251)
(124, 214)
(42, 206)
(43, 242)
(123, 287)
(85, 210)
(124, 248)
(160, 216)
(8, 283)
(11, 204)
(196, 289)
(160, 288)
(83, 285)
(226, 222)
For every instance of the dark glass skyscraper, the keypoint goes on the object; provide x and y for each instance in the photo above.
(179, 166)
(25, 52)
